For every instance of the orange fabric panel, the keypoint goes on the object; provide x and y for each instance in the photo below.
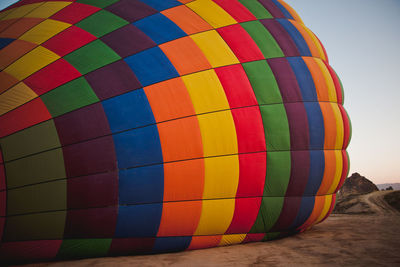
(4, 24)
(329, 125)
(185, 1)
(169, 100)
(318, 77)
(179, 218)
(185, 55)
(180, 139)
(187, 20)
(318, 206)
(311, 45)
(13, 51)
(7, 81)
(20, 27)
(199, 242)
(329, 172)
(183, 180)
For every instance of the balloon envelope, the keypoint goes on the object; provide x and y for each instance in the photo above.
(151, 126)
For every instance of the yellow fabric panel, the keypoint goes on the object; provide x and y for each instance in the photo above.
(338, 172)
(47, 9)
(339, 126)
(218, 133)
(221, 177)
(44, 31)
(316, 42)
(232, 239)
(212, 13)
(21, 11)
(214, 48)
(327, 205)
(206, 91)
(3, 14)
(216, 216)
(15, 97)
(31, 62)
(328, 80)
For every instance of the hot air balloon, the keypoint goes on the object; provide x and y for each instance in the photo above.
(149, 126)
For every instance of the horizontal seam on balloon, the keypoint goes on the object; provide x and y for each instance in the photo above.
(155, 164)
(149, 125)
(154, 203)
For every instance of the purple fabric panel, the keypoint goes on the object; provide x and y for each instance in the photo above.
(298, 125)
(272, 8)
(96, 190)
(282, 37)
(291, 206)
(95, 156)
(128, 40)
(131, 10)
(91, 223)
(286, 80)
(82, 124)
(300, 162)
(114, 79)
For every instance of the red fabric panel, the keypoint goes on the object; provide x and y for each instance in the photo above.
(26, 115)
(29, 250)
(336, 82)
(1, 156)
(239, 12)
(91, 223)
(249, 129)
(242, 45)
(3, 201)
(252, 173)
(74, 13)
(345, 170)
(60, 72)
(69, 40)
(346, 127)
(98, 190)
(246, 211)
(236, 85)
(127, 246)
(254, 238)
(2, 178)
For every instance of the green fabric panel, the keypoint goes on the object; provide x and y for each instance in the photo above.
(263, 82)
(271, 236)
(264, 40)
(34, 169)
(49, 225)
(32, 140)
(92, 56)
(69, 96)
(257, 9)
(84, 248)
(101, 23)
(98, 3)
(269, 213)
(50, 196)
(276, 127)
(278, 173)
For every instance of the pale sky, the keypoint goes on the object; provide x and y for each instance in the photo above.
(362, 39)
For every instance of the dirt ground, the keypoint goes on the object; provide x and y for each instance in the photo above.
(342, 240)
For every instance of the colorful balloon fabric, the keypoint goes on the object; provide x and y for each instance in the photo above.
(147, 126)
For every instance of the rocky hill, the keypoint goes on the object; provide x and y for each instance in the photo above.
(356, 185)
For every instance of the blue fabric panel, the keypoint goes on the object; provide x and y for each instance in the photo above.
(161, 5)
(306, 207)
(317, 167)
(159, 28)
(5, 41)
(304, 79)
(138, 220)
(138, 147)
(171, 244)
(283, 9)
(151, 66)
(315, 125)
(296, 36)
(127, 111)
(141, 185)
